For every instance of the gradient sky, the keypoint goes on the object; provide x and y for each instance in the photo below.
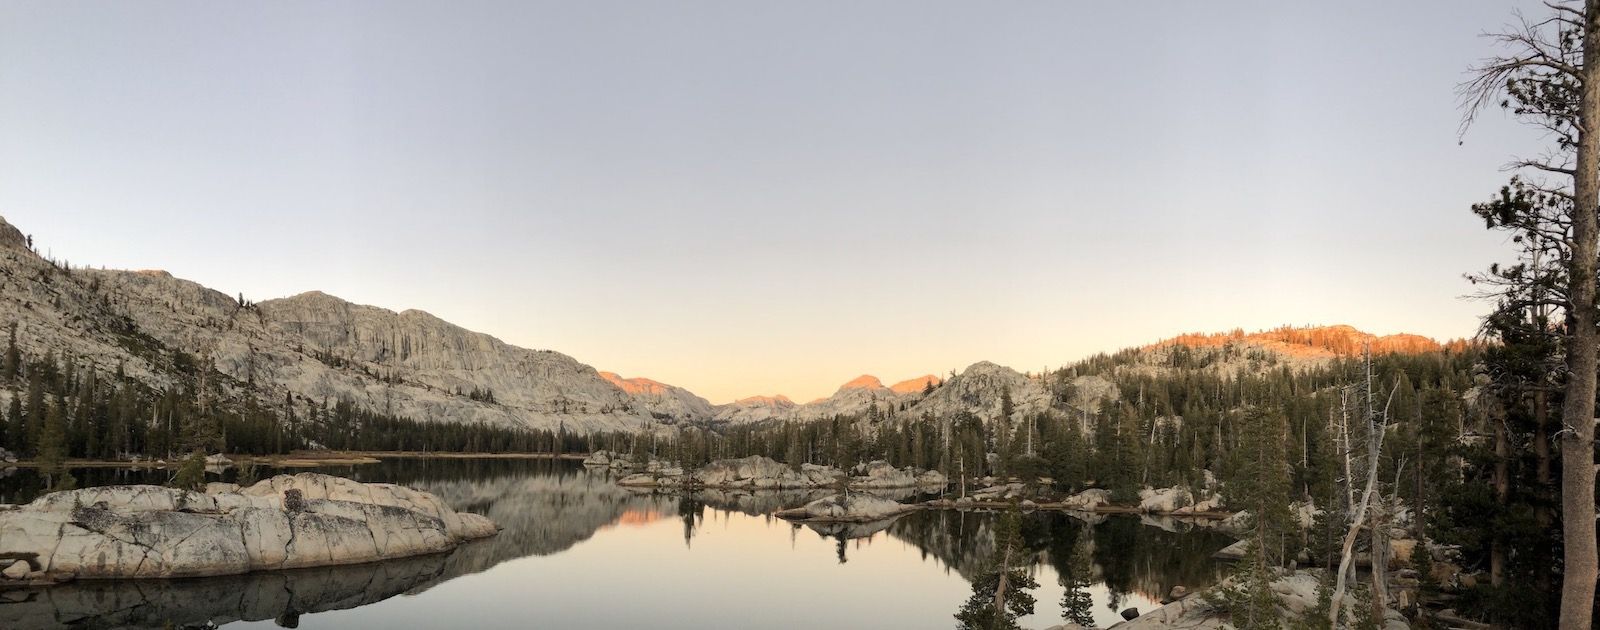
(755, 198)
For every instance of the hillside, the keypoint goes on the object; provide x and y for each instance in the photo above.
(1313, 342)
(313, 346)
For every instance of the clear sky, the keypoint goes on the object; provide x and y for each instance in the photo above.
(754, 197)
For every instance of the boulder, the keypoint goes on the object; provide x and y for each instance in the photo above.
(1088, 499)
(855, 508)
(880, 475)
(1235, 551)
(1178, 592)
(1207, 505)
(1130, 614)
(999, 493)
(1164, 500)
(16, 571)
(150, 531)
(932, 479)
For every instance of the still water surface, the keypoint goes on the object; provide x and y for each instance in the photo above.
(577, 551)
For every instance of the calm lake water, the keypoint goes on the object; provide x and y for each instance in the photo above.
(578, 551)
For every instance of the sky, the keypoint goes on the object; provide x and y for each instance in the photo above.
(760, 198)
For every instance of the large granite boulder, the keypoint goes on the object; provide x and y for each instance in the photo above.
(880, 474)
(1209, 505)
(1088, 499)
(288, 521)
(855, 508)
(1164, 500)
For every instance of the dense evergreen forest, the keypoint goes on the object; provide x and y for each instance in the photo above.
(58, 408)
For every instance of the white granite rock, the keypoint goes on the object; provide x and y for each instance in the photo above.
(857, 507)
(1088, 499)
(149, 531)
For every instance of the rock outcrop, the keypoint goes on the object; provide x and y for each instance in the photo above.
(855, 508)
(757, 472)
(753, 410)
(288, 521)
(314, 346)
(1088, 500)
(1164, 500)
(978, 390)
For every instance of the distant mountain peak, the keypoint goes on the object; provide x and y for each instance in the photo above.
(1311, 341)
(777, 400)
(865, 381)
(914, 385)
(636, 385)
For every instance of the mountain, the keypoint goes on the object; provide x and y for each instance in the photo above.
(915, 385)
(1311, 342)
(663, 401)
(314, 347)
(754, 409)
(977, 389)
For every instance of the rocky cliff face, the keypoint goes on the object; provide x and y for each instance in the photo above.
(315, 347)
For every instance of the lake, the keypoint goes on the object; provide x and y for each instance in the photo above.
(578, 551)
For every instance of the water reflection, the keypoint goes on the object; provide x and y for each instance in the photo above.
(573, 540)
(280, 596)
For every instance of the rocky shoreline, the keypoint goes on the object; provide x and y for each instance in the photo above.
(285, 522)
(757, 472)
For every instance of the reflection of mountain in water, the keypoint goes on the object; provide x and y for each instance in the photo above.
(279, 595)
(541, 514)
(543, 507)
(547, 507)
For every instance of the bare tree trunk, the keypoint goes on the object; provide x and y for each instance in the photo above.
(1344, 447)
(1000, 586)
(1379, 531)
(1502, 493)
(1347, 552)
(1577, 412)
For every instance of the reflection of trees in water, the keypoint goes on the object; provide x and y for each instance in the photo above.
(1129, 557)
(546, 507)
(1136, 558)
(692, 512)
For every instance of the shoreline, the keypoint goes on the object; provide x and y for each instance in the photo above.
(299, 459)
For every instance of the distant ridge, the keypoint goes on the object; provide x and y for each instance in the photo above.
(1310, 341)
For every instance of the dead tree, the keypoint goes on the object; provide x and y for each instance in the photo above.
(1376, 424)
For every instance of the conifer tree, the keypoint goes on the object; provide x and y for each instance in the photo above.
(1000, 595)
(52, 451)
(13, 358)
(1076, 604)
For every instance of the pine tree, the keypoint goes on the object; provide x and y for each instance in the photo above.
(1000, 595)
(52, 451)
(1076, 604)
(13, 358)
